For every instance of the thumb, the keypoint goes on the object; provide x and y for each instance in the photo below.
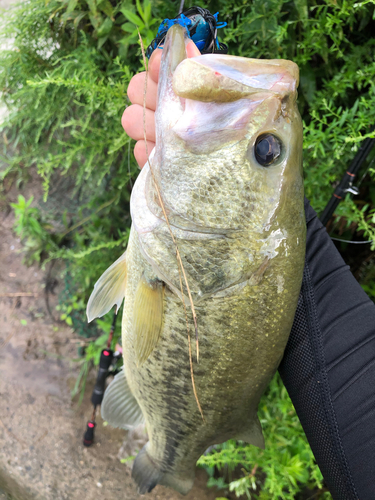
(192, 50)
(154, 64)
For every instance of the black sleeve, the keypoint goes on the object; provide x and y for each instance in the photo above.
(329, 368)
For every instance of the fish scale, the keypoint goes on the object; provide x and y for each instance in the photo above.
(237, 218)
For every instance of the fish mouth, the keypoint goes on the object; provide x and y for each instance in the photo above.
(221, 78)
(231, 89)
(217, 78)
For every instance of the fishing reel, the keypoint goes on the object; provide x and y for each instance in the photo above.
(201, 27)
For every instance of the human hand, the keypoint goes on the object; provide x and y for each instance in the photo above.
(132, 119)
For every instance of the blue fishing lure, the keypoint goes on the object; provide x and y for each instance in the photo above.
(201, 27)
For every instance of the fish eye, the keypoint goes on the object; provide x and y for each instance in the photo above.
(267, 149)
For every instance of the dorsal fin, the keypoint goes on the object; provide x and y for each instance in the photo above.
(108, 290)
(147, 317)
(119, 406)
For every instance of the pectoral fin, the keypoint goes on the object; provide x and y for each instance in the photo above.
(253, 435)
(119, 407)
(108, 290)
(147, 317)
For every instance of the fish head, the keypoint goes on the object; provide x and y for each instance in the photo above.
(228, 153)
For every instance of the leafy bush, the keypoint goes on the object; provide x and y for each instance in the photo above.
(64, 69)
(31, 228)
(65, 99)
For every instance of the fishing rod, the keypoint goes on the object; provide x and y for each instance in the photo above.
(346, 184)
(107, 361)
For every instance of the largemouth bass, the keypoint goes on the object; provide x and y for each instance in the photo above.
(226, 172)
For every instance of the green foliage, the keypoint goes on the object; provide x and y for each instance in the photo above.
(142, 23)
(33, 231)
(64, 70)
(75, 304)
(65, 99)
(283, 469)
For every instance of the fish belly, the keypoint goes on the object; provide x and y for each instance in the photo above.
(242, 336)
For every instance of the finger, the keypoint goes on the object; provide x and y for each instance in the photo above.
(132, 121)
(192, 50)
(140, 152)
(154, 63)
(136, 91)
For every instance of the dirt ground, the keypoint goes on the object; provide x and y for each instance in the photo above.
(41, 429)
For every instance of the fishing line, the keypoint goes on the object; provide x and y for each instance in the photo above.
(353, 242)
(366, 172)
(346, 184)
(130, 176)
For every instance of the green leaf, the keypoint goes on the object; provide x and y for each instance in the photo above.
(106, 7)
(128, 27)
(72, 5)
(140, 10)
(102, 41)
(355, 107)
(79, 18)
(95, 20)
(147, 13)
(308, 83)
(23, 322)
(92, 6)
(105, 27)
(302, 9)
(133, 18)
